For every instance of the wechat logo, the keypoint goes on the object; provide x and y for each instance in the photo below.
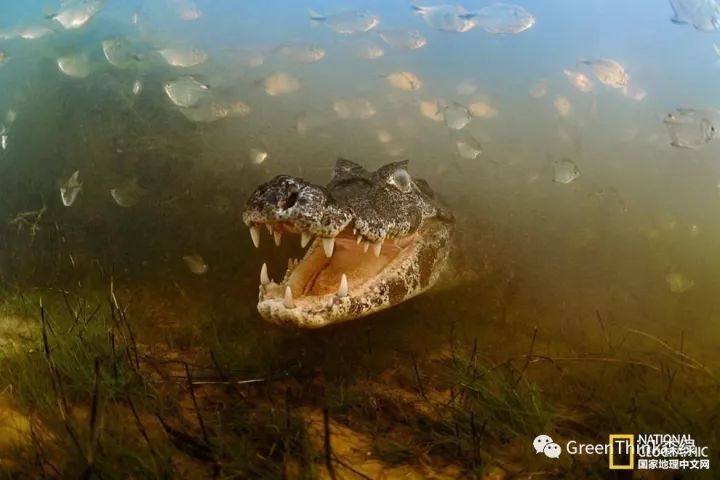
(544, 444)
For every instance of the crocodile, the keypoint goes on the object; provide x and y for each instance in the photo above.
(376, 239)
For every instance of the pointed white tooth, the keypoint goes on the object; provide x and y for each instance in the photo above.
(358, 240)
(269, 228)
(288, 300)
(354, 231)
(277, 236)
(343, 290)
(255, 235)
(264, 278)
(377, 247)
(305, 239)
(328, 246)
(366, 245)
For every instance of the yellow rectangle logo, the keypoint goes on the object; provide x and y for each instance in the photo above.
(630, 439)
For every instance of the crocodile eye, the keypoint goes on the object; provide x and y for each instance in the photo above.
(401, 180)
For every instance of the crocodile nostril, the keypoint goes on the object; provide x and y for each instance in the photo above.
(290, 201)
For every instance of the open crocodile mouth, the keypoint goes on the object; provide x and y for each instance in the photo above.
(342, 277)
(375, 240)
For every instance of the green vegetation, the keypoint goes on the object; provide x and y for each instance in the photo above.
(91, 398)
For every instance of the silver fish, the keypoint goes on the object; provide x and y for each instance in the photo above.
(33, 32)
(137, 87)
(703, 15)
(70, 189)
(357, 109)
(183, 57)
(76, 66)
(257, 156)
(77, 13)
(690, 128)
(196, 264)
(4, 137)
(503, 18)
(446, 18)
(186, 10)
(186, 91)
(301, 53)
(608, 72)
(127, 194)
(206, 111)
(468, 147)
(456, 116)
(280, 83)
(117, 52)
(565, 171)
(347, 22)
(403, 39)
(369, 50)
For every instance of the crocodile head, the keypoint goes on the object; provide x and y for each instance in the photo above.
(376, 239)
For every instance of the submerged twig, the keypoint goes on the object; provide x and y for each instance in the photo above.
(419, 380)
(227, 382)
(693, 363)
(327, 444)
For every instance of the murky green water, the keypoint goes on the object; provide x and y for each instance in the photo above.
(625, 250)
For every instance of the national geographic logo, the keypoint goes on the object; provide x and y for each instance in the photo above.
(622, 451)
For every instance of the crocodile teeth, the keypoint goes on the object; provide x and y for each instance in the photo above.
(277, 236)
(343, 290)
(328, 246)
(377, 247)
(255, 235)
(305, 239)
(366, 245)
(264, 278)
(269, 228)
(358, 240)
(288, 300)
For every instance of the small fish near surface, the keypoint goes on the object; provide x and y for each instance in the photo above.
(407, 81)
(280, 83)
(691, 128)
(579, 81)
(77, 13)
(70, 189)
(207, 110)
(186, 10)
(186, 91)
(565, 171)
(608, 72)
(301, 52)
(703, 15)
(446, 18)
(456, 116)
(184, 57)
(118, 52)
(403, 39)
(128, 194)
(369, 50)
(503, 19)
(4, 57)
(196, 264)
(348, 22)
(354, 109)
(469, 147)
(4, 136)
(76, 66)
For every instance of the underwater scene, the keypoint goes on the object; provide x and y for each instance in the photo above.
(367, 239)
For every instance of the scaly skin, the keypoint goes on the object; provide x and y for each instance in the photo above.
(376, 207)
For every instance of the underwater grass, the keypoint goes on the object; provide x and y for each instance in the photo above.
(102, 404)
